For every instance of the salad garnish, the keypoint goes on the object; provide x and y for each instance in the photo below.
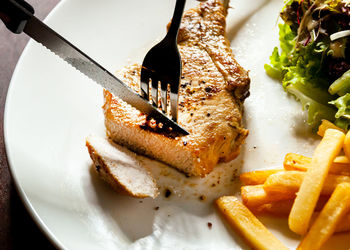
(313, 62)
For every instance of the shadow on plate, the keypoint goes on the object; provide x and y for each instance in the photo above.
(180, 197)
(133, 216)
(279, 224)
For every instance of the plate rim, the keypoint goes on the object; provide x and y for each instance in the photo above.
(22, 195)
(12, 169)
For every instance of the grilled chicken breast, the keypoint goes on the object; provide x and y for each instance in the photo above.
(120, 168)
(212, 90)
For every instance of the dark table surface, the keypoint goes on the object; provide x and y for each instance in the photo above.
(17, 229)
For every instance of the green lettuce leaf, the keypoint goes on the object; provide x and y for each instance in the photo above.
(301, 73)
(280, 62)
(343, 114)
(317, 110)
(341, 86)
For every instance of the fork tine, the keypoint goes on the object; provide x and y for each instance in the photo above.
(164, 96)
(164, 63)
(145, 83)
(174, 98)
(155, 91)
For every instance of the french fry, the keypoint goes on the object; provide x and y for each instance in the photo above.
(325, 124)
(257, 177)
(347, 145)
(254, 196)
(242, 220)
(344, 226)
(282, 208)
(325, 224)
(342, 159)
(275, 208)
(291, 181)
(284, 181)
(310, 189)
(341, 164)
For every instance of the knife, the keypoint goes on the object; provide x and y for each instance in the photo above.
(18, 16)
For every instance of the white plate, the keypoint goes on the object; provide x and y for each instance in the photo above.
(51, 108)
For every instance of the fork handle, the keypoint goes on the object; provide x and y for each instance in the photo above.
(176, 20)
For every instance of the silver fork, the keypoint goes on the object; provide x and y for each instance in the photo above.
(162, 67)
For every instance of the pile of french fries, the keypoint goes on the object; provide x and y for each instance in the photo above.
(313, 192)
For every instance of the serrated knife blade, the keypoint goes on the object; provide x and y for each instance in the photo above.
(43, 34)
(18, 15)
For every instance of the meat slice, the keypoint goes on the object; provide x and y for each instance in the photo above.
(212, 90)
(120, 168)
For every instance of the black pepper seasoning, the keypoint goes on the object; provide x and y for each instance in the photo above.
(98, 168)
(167, 193)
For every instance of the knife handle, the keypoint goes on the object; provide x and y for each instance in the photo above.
(15, 14)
